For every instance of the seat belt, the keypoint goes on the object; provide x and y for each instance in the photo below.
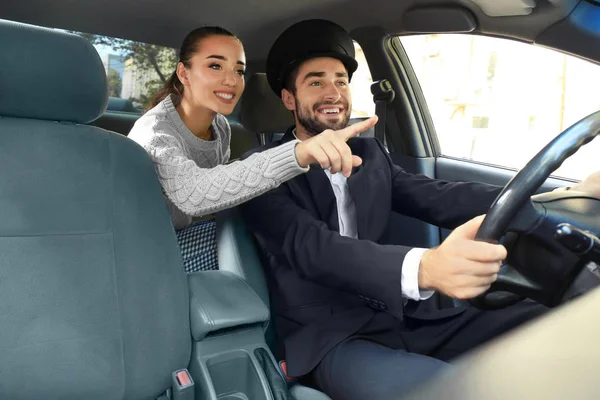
(383, 94)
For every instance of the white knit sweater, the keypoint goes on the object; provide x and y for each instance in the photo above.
(192, 171)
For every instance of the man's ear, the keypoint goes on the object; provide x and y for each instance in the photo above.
(182, 74)
(289, 100)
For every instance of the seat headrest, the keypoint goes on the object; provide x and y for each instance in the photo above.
(121, 105)
(261, 110)
(49, 75)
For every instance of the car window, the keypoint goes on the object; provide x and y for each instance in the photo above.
(500, 101)
(360, 85)
(135, 70)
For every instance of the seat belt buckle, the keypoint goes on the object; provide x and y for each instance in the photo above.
(182, 385)
(283, 369)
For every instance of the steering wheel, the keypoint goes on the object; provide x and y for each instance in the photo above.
(514, 210)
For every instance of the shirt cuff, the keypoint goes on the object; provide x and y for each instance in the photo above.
(410, 276)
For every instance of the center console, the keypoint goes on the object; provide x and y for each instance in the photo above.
(230, 359)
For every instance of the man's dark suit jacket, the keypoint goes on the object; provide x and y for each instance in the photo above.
(324, 287)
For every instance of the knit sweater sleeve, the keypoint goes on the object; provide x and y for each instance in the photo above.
(199, 191)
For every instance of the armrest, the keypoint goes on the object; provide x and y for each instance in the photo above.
(220, 300)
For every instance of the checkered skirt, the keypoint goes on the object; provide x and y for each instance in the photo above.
(198, 244)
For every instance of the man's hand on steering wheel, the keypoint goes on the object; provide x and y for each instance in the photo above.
(544, 261)
(461, 267)
(547, 261)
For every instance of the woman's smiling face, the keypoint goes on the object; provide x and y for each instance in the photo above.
(215, 78)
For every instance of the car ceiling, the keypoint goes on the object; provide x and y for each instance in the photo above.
(258, 22)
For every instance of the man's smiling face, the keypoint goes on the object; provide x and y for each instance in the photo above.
(322, 98)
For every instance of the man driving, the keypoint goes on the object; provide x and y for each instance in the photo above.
(350, 303)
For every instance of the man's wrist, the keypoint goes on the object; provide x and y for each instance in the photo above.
(423, 277)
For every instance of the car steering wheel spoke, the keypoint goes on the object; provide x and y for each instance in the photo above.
(527, 218)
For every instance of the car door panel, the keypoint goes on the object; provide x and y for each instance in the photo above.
(417, 233)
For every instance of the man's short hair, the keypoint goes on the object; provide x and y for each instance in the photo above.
(290, 80)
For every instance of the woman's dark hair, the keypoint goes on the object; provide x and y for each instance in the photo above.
(189, 47)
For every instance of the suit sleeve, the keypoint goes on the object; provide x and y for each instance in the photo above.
(305, 244)
(438, 202)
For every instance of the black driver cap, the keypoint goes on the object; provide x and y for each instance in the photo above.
(305, 40)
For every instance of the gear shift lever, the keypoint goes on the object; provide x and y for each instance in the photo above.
(583, 243)
(586, 245)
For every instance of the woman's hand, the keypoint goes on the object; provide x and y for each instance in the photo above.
(329, 148)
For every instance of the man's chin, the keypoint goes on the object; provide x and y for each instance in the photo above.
(315, 126)
(333, 123)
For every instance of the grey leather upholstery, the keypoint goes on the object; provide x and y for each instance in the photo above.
(120, 122)
(48, 75)
(237, 252)
(221, 300)
(93, 296)
(242, 140)
(261, 110)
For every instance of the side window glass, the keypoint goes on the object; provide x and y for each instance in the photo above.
(135, 70)
(362, 99)
(500, 101)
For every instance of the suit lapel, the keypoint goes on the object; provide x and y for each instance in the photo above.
(322, 194)
(318, 185)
